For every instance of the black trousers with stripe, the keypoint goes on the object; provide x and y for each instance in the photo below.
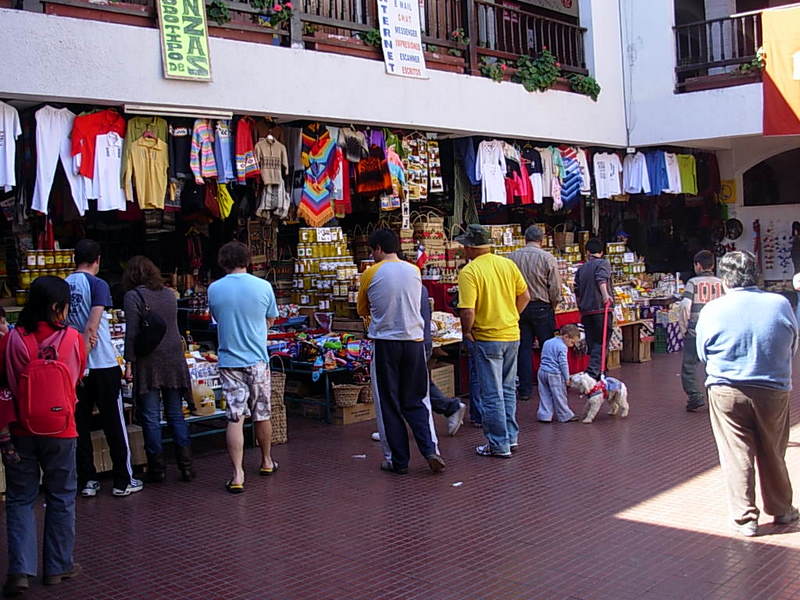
(101, 387)
(400, 387)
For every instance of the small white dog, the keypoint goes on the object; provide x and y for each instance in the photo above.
(611, 389)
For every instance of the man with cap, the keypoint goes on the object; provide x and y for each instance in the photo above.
(492, 294)
(538, 320)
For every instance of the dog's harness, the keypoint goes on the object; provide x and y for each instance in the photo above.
(605, 386)
(599, 387)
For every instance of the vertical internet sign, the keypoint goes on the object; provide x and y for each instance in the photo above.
(402, 38)
(184, 39)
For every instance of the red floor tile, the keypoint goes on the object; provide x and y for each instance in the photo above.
(621, 509)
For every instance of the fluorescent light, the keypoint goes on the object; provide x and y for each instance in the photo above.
(176, 111)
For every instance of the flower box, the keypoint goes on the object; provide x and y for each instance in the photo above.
(341, 44)
(719, 80)
(122, 13)
(442, 61)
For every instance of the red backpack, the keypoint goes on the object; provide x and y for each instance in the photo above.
(45, 390)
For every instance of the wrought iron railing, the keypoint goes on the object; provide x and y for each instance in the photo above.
(716, 46)
(509, 32)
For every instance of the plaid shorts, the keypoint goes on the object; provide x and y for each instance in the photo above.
(247, 392)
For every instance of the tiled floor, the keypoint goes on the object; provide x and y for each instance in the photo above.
(621, 509)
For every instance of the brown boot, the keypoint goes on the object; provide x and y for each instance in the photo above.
(156, 468)
(183, 454)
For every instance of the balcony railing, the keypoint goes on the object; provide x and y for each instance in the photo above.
(715, 47)
(504, 31)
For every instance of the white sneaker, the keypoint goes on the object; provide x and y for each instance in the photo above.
(134, 486)
(456, 420)
(90, 489)
(789, 517)
(376, 437)
(749, 529)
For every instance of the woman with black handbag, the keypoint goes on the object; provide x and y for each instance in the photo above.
(156, 364)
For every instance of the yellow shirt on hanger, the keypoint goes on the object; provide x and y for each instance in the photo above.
(146, 167)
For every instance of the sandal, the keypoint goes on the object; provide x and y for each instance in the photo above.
(264, 471)
(234, 488)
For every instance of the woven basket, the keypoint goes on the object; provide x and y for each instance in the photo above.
(277, 382)
(365, 396)
(346, 394)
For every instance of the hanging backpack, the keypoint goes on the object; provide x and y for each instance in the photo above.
(45, 390)
(152, 329)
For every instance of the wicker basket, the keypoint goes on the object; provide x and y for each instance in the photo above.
(346, 394)
(365, 396)
(278, 383)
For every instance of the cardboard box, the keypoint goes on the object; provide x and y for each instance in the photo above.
(443, 376)
(613, 360)
(353, 414)
(101, 453)
(136, 443)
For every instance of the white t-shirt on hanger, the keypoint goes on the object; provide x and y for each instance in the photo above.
(607, 171)
(10, 130)
(107, 169)
(635, 179)
(673, 174)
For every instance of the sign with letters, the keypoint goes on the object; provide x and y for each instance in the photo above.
(184, 39)
(401, 36)
(567, 7)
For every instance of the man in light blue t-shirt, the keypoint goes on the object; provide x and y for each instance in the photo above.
(89, 298)
(244, 307)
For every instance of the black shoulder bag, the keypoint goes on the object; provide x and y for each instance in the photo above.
(152, 329)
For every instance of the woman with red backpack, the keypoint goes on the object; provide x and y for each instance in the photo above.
(41, 361)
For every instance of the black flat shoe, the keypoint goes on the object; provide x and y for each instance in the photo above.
(16, 584)
(390, 468)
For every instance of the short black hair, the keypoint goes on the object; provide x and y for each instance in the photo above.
(534, 233)
(738, 269)
(233, 255)
(386, 239)
(594, 246)
(86, 252)
(705, 258)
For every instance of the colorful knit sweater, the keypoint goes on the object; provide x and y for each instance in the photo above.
(316, 202)
(202, 158)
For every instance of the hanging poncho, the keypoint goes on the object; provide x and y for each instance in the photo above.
(316, 203)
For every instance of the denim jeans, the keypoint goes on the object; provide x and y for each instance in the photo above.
(696, 394)
(56, 458)
(475, 410)
(497, 370)
(537, 321)
(149, 413)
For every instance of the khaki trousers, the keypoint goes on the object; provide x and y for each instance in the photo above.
(750, 423)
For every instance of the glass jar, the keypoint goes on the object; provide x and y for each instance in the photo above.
(41, 259)
(25, 279)
(22, 296)
(30, 259)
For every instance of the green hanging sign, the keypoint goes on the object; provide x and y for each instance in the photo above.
(184, 39)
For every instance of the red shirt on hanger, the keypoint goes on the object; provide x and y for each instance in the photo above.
(85, 130)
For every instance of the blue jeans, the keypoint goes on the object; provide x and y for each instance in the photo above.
(56, 457)
(497, 369)
(149, 412)
(475, 412)
(553, 398)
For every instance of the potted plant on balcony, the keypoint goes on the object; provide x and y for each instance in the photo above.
(749, 72)
(450, 59)
(262, 22)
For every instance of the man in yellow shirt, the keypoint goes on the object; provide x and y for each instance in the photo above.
(492, 294)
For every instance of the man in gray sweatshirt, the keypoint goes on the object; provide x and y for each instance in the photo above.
(747, 339)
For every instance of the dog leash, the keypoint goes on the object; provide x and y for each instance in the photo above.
(605, 341)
